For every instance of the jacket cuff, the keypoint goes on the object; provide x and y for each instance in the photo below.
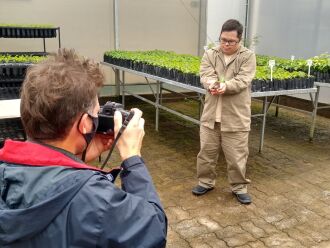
(131, 161)
(230, 88)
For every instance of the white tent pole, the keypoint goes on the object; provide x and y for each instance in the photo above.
(246, 21)
(116, 23)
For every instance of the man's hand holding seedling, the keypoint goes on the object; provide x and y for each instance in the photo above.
(218, 87)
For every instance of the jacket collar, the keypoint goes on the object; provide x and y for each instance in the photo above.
(240, 50)
(36, 154)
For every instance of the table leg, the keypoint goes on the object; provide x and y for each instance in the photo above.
(264, 114)
(157, 104)
(314, 113)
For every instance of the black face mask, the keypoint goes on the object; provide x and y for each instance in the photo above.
(89, 136)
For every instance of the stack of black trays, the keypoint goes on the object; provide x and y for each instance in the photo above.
(27, 32)
(12, 76)
(12, 129)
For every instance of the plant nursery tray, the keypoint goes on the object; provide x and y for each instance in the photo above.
(194, 80)
(171, 74)
(13, 70)
(323, 77)
(27, 32)
(11, 129)
(13, 82)
(9, 93)
(284, 84)
(41, 54)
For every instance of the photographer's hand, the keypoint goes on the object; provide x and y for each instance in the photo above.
(99, 144)
(130, 142)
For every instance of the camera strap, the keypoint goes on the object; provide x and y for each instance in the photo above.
(121, 130)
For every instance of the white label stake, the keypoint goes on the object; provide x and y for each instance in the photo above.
(309, 63)
(271, 64)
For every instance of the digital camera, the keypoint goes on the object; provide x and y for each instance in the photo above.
(106, 115)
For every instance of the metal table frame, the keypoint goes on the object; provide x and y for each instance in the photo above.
(121, 90)
(59, 39)
(268, 97)
(275, 96)
(318, 86)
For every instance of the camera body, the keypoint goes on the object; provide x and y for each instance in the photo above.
(106, 115)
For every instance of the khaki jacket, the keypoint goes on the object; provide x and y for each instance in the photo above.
(236, 101)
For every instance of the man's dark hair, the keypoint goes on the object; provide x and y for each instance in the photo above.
(56, 91)
(233, 25)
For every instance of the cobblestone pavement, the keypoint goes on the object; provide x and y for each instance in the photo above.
(290, 184)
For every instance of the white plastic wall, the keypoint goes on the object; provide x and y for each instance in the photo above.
(218, 11)
(296, 27)
(87, 26)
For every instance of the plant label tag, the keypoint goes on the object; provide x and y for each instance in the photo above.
(292, 57)
(309, 62)
(271, 63)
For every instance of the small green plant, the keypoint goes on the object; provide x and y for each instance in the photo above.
(321, 63)
(169, 60)
(12, 25)
(21, 59)
(263, 72)
(211, 45)
(250, 43)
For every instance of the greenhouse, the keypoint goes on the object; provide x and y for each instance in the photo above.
(178, 123)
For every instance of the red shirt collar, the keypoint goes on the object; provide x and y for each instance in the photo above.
(34, 154)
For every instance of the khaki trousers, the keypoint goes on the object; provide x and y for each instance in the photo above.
(235, 148)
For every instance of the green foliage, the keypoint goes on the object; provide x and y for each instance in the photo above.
(191, 64)
(263, 72)
(170, 60)
(321, 63)
(26, 25)
(20, 59)
(211, 45)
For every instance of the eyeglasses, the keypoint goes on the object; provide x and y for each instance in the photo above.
(229, 42)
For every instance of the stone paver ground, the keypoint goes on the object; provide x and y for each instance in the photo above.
(290, 184)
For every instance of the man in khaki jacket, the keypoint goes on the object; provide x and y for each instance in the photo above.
(226, 72)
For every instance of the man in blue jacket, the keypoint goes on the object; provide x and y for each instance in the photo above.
(49, 196)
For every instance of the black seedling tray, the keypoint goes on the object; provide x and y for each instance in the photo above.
(194, 80)
(171, 74)
(259, 85)
(9, 93)
(13, 70)
(323, 77)
(20, 32)
(11, 129)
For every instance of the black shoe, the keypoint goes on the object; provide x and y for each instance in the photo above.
(243, 198)
(200, 190)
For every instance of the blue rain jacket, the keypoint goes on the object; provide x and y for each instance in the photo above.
(49, 198)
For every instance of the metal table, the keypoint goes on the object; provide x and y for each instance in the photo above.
(318, 86)
(121, 90)
(275, 95)
(10, 108)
